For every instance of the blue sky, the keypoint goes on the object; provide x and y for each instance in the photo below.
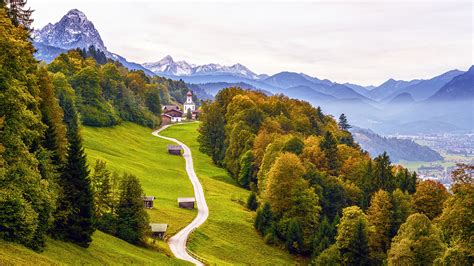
(345, 41)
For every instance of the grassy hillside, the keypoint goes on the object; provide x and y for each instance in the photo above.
(104, 250)
(132, 148)
(126, 148)
(228, 237)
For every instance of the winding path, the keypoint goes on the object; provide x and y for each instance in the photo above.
(178, 242)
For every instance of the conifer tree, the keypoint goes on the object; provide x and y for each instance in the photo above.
(329, 146)
(294, 237)
(264, 219)
(76, 204)
(252, 203)
(343, 123)
(383, 176)
(132, 219)
(17, 12)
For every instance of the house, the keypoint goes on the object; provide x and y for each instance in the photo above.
(169, 107)
(171, 116)
(148, 201)
(186, 203)
(189, 104)
(196, 114)
(174, 149)
(158, 230)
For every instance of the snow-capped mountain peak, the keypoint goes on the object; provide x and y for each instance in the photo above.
(167, 66)
(72, 31)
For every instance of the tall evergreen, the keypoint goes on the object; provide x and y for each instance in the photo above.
(343, 123)
(75, 213)
(329, 147)
(264, 219)
(383, 176)
(17, 12)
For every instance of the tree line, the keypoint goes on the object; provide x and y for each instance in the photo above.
(46, 188)
(317, 193)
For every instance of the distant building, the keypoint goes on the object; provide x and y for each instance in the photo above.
(174, 149)
(148, 201)
(186, 203)
(171, 115)
(158, 230)
(189, 104)
(169, 107)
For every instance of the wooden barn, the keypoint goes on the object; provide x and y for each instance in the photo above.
(158, 230)
(174, 149)
(148, 201)
(186, 203)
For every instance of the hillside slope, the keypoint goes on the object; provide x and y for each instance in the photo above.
(104, 250)
(228, 237)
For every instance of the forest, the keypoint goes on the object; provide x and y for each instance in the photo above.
(316, 193)
(46, 187)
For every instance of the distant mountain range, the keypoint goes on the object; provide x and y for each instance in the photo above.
(384, 108)
(397, 149)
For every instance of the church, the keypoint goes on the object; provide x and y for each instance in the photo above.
(189, 104)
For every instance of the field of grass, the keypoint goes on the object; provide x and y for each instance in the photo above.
(228, 236)
(104, 250)
(133, 149)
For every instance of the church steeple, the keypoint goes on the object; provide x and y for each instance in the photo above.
(189, 104)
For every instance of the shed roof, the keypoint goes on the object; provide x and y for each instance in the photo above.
(174, 147)
(158, 228)
(148, 198)
(186, 200)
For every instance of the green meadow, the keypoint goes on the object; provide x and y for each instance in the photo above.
(133, 149)
(104, 250)
(228, 236)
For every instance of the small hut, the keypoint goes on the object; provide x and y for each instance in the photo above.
(158, 230)
(186, 203)
(148, 201)
(174, 149)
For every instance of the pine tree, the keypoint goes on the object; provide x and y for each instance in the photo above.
(252, 203)
(76, 204)
(132, 219)
(329, 146)
(17, 12)
(383, 176)
(294, 237)
(264, 219)
(343, 124)
(189, 114)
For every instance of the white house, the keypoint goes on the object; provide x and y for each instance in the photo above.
(189, 104)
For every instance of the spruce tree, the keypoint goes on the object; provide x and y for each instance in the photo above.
(264, 218)
(76, 204)
(343, 124)
(252, 203)
(132, 219)
(294, 237)
(329, 146)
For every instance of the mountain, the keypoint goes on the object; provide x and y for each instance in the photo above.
(389, 87)
(167, 66)
(426, 88)
(73, 31)
(359, 89)
(460, 88)
(287, 79)
(402, 99)
(214, 87)
(397, 149)
(304, 92)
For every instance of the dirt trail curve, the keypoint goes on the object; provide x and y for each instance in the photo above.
(178, 242)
